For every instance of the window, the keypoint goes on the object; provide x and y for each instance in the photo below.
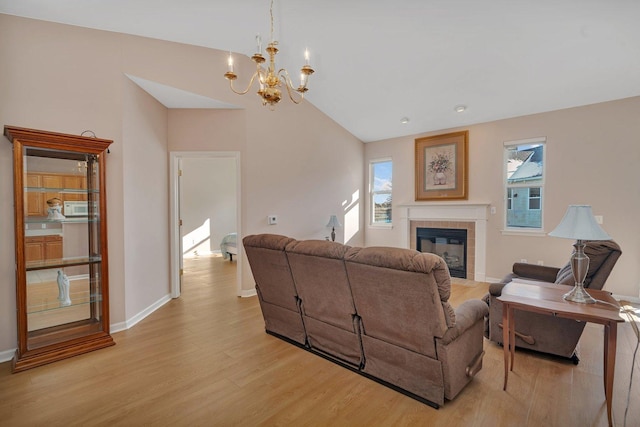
(534, 198)
(524, 183)
(380, 184)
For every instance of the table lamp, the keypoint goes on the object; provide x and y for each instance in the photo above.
(579, 224)
(333, 223)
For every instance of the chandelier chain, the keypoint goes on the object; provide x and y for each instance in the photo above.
(271, 13)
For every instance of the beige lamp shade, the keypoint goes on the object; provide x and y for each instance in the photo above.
(333, 222)
(579, 224)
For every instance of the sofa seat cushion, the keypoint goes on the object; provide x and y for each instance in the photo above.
(413, 372)
(282, 321)
(400, 306)
(334, 341)
(321, 280)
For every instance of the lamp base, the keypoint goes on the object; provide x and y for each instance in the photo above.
(579, 294)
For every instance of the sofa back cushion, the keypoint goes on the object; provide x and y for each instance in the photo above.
(603, 255)
(321, 280)
(400, 294)
(270, 268)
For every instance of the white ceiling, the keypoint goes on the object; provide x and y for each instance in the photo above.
(377, 61)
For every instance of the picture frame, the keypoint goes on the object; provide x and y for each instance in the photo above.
(442, 171)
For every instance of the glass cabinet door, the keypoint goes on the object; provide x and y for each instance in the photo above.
(61, 257)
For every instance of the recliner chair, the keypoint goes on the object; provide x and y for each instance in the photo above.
(543, 333)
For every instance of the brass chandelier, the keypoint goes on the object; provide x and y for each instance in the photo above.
(270, 81)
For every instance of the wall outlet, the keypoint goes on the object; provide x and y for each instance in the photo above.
(599, 219)
(272, 219)
(493, 210)
(524, 260)
(540, 262)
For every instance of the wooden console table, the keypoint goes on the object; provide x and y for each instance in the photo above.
(546, 298)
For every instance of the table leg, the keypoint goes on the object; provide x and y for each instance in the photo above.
(512, 335)
(610, 344)
(604, 359)
(505, 342)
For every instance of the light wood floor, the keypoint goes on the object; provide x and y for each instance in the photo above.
(204, 360)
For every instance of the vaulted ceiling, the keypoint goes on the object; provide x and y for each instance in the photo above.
(378, 61)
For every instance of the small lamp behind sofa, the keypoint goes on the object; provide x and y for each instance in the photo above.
(333, 223)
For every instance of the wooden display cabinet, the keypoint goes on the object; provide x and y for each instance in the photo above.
(62, 286)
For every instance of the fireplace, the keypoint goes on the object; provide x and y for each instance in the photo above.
(448, 243)
(469, 216)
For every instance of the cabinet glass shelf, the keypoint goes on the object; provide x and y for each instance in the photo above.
(61, 263)
(77, 299)
(60, 190)
(69, 220)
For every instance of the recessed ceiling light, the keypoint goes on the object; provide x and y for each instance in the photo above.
(460, 108)
(404, 120)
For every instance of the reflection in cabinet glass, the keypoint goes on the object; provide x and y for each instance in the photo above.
(62, 281)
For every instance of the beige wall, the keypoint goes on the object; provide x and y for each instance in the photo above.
(208, 194)
(295, 162)
(49, 83)
(146, 197)
(593, 157)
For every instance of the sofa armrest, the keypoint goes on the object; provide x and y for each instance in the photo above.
(495, 289)
(467, 314)
(536, 272)
(526, 271)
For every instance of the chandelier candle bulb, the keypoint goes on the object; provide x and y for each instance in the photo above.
(306, 56)
(230, 63)
(259, 43)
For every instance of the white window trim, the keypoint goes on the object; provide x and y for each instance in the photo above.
(518, 231)
(372, 224)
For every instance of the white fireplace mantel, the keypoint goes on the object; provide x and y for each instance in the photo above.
(472, 212)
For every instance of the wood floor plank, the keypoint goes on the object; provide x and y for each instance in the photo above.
(205, 360)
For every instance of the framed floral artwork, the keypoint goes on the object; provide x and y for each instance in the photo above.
(441, 167)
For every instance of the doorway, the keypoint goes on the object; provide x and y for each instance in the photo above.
(205, 208)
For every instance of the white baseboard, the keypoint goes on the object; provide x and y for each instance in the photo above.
(117, 327)
(248, 293)
(7, 355)
(633, 300)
